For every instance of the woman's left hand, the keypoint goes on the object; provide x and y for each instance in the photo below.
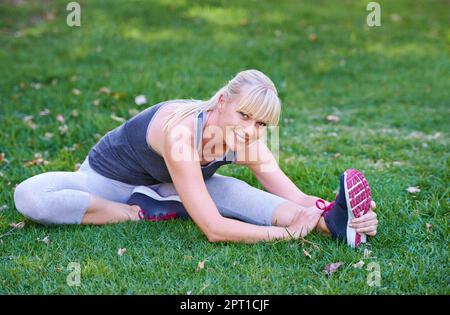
(367, 223)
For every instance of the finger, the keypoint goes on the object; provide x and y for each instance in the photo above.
(373, 205)
(364, 224)
(369, 229)
(368, 216)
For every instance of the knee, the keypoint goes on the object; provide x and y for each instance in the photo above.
(27, 201)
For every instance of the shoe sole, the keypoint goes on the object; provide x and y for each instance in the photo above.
(153, 194)
(358, 197)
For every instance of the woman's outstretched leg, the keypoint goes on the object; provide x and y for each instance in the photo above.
(237, 199)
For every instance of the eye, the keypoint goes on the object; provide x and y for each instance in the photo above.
(244, 115)
(262, 124)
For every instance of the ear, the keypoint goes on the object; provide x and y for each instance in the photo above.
(220, 103)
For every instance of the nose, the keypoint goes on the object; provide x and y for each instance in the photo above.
(250, 131)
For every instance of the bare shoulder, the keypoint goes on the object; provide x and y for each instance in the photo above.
(156, 134)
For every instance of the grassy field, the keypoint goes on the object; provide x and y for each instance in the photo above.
(388, 85)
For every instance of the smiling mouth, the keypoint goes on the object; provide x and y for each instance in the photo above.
(241, 139)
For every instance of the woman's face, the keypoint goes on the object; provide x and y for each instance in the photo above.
(239, 128)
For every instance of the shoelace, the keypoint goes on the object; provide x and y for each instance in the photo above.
(320, 204)
(153, 218)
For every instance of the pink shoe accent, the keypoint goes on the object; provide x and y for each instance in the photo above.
(359, 198)
(153, 218)
(320, 204)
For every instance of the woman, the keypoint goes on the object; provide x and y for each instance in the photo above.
(161, 164)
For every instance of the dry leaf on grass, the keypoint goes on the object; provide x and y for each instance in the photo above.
(359, 264)
(17, 226)
(76, 91)
(121, 251)
(45, 240)
(60, 118)
(28, 120)
(306, 254)
(332, 119)
(117, 118)
(4, 207)
(2, 158)
(367, 253)
(38, 160)
(413, 190)
(63, 129)
(140, 100)
(201, 265)
(103, 90)
(429, 227)
(332, 268)
(44, 112)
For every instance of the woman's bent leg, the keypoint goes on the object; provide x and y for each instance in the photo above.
(73, 198)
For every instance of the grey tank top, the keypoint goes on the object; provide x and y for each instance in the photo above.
(123, 153)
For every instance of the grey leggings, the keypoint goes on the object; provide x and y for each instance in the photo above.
(63, 197)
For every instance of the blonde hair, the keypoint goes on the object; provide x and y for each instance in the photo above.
(261, 99)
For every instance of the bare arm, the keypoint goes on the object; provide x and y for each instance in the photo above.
(272, 178)
(187, 178)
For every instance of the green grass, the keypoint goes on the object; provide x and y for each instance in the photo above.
(389, 85)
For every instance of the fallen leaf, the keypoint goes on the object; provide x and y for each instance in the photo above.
(63, 129)
(96, 102)
(366, 253)
(72, 148)
(36, 86)
(46, 240)
(140, 100)
(75, 113)
(395, 17)
(332, 119)
(312, 37)
(121, 251)
(118, 95)
(117, 118)
(47, 136)
(28, 120)
(332, 267)
(201, 265)
(413, 190)
(4, 207)
(103, 90)
(336, 155)
(17, 226)
(2, 158)
(306, 254)
(429, 227)
(60, 118)
(44, 112)
(76, 91)
(359, 264)
(38, 159)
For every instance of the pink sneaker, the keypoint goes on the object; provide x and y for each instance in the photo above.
(352, 201)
